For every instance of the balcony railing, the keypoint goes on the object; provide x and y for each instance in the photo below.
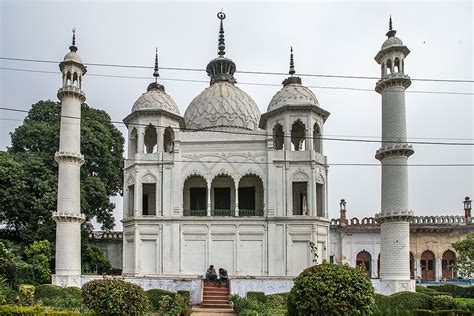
(244, 212)
(195, 213)
(222, 212)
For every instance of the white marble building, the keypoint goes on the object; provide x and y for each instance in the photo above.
(223, 184)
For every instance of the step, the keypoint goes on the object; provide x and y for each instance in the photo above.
(215, 300)
(216, 292)
(216, 306)
(196, 310)
(219, 295)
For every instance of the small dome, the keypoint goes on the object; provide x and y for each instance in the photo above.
(222, 104)
(155, 99)
(293, 94)
(392, 41)
(73, 56)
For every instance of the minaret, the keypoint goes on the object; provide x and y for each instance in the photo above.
(68, 216)
(395, 214)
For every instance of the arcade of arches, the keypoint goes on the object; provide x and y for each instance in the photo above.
(427, 263)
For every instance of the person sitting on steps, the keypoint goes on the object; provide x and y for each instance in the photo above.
(223, 277)
(211, 275)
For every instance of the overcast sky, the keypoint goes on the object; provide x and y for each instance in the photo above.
(336, 38)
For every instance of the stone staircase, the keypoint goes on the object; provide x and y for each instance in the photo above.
(215, 300)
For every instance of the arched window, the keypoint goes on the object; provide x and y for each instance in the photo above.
(364, 260)
(427, 264)
(396, 68)
(68, 78)
(278, 137)
(389, 66)
(75, 80)
(298, 135)
(168, 140)
(447, 262)
(132, 144)
(317, 138)
(150, 139)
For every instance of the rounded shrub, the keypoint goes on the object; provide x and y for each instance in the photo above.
(443, 302)
(409, 301)
(47, 292)
(114, 297)
(155, 295)
(331, 289)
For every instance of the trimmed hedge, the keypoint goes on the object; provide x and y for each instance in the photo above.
(424, 289)
(443, 302)
(112, 296)
(258, 296)
(186, 295)
(452, 312)
(409, 301)
(155, 295)
(455, 290)
(48, 292)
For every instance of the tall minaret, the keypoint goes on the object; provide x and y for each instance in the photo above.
(68, 217)
(395, 214)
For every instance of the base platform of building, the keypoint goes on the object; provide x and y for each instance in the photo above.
(387, 287)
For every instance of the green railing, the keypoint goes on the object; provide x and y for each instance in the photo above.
(195, 212)
(222, 212)
(244, 212)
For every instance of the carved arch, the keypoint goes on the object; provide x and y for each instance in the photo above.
(299, 176)
(149, 178)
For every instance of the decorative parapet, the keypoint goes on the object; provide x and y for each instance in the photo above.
(443, 220)
(68, 217)
(391, 80)
(100, 235)
(394, 150)
(71, 91)
(69, 157)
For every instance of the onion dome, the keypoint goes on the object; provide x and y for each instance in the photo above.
(222, 104)
(293, 92)
(391, 43)
(155, 98)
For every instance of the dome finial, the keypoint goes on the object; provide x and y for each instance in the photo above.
(156, 74)
(391, 32)
(292, 64)
(221, 47)
(73, 47)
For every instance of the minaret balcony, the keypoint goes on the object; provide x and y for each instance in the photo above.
(71, 91)
(69, 157)
(68, 217)
(391, 80)
(394, 216)
(394, 151)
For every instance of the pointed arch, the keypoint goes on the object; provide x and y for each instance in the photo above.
(168, 140)
(428, 265)
(447, 262)
(389, 67)
(150, 139)
(278, 137)
(364, 260)
(396, 65)
(298, 130)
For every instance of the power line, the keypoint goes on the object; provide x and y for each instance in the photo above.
(262, 134)
(242, 83)
(241, 71)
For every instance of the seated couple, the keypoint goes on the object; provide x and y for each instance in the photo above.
(211, 276)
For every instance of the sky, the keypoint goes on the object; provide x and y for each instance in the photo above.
(329, 38)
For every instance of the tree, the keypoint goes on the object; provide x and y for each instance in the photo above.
(39, 256)
(465, 256)
(331, 289)
(28, 172)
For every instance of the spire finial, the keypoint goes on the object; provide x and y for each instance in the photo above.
(221, 47)
(391, 32)
(292, 64)
(73, 47)
(156, 74)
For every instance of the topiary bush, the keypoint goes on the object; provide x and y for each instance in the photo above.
(424, 289)
(27, 294)
(455, 290)
(451, 312)
(328, 289)
(409, 301)
(112, 296)
(172, 305)
(154, 297)
(46, 293)
(443, 302)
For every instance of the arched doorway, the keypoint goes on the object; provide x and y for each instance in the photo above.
(195, 196)
(449, 258)
(250, 196)
(427, 264)
(364, 259)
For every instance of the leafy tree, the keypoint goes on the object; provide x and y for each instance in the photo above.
(39, 256)
(28, 172)
(465, 259)
(94, 260)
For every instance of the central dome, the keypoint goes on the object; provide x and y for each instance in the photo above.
(222, 104)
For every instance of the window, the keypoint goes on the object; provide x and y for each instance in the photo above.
(150, 140)
(197, 198)
(149, 199)
(222, 198)
(168, 140)
(247, 198)
(278, 137)
(319, 199)
(298, 131)
(300, 198)
(131, 199)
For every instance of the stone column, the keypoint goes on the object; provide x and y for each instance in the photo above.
(140, 140)
(209, 198)
(236, 206)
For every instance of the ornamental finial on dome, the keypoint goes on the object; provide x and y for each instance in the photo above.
(155, 85)
(73, 47)
(391, 32)
(156, 74)
(292, 71)
(292, 63)
(221, 47)
(221, 68)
